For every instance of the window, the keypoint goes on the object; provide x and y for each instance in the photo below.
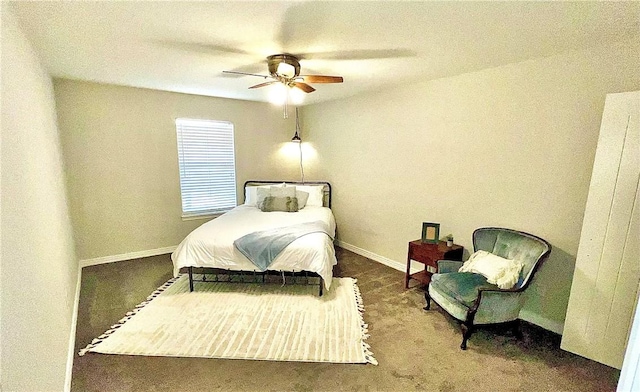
(207, 166)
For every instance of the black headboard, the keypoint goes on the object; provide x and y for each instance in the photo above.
(326, 200)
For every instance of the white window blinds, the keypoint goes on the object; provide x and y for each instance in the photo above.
(207, 166)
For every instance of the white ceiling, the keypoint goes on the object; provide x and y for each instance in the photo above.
(185, 46)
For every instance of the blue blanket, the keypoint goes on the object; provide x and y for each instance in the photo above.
(262, 247)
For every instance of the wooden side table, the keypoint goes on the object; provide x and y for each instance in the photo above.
(429, 254)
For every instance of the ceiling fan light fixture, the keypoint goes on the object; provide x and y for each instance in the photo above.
(278, 94)
(286, 70)
(287, 84)
(296, 95)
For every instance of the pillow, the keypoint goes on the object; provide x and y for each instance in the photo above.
(285, 204)
(250, 194)
(316, 196)
(302, 197)
(261, 193)
(283, 191)
(499, 271)
(275, 191)
(252, 198)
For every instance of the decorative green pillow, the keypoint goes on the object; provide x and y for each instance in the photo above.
(285, 204)
(302, 197)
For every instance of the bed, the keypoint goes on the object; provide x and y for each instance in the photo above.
(211, 246)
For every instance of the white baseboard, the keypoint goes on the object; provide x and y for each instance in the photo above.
(550, 325)
(380, 259)
(127, 256)
(72, 334)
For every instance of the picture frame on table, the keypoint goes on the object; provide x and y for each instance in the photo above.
(430, 232)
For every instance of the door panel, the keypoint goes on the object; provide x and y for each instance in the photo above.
(606, 277)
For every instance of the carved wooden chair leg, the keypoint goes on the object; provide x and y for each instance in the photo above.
(467, 330)
(427, 297)
(517, 331)
(467, 325)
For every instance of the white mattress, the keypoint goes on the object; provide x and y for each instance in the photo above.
(211, 245)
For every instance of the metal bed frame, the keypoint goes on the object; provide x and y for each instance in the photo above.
(266, 277)
(233, 276)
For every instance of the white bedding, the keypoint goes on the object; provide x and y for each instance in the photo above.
(211, 245)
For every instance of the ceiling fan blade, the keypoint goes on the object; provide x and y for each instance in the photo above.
(304, 87)
(245, 73)
(200, 47)
(264, 84)
(252, 68)
(321, 79)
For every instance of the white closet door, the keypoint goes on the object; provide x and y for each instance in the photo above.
(607, 273)
(630, 375)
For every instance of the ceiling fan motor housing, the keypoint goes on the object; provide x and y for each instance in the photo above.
(275, 60)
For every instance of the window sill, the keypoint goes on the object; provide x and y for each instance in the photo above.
(202, 216)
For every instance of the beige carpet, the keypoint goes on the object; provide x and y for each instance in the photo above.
(418, 350)
(244, 321)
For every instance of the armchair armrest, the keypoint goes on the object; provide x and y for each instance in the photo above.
(497, 305)
(446, 266)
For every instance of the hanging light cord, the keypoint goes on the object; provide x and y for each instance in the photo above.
(301, 167)
(297, 138)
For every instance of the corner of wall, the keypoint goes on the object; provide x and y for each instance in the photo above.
(72, 334)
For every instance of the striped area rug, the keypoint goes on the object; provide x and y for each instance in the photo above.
(244, 321)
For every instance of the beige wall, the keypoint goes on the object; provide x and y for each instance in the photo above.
(39, 268)
(511, 146)
(121, 157)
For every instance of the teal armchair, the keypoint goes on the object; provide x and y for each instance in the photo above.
(473, 301)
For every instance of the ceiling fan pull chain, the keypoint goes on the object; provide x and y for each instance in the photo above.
(285, 107)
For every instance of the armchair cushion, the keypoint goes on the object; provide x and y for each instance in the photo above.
(460, 286)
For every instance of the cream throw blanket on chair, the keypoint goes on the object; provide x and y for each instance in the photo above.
(499, 271)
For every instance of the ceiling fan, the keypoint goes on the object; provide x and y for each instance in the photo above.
(285, 69)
